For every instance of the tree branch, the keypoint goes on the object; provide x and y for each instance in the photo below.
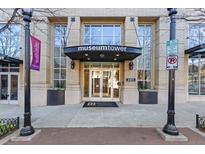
(10, 20)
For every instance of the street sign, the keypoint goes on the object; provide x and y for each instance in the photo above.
(172, 62)
(172, 47)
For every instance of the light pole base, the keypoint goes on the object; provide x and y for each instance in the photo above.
(26, 131)
(170, 129)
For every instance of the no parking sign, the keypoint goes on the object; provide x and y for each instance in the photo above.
(172, 62)
(172, 55)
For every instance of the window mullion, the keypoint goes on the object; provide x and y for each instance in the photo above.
(113, 35)
(102, 40)
(90, 33)
(199, 80)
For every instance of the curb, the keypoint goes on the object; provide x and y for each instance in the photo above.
(167, 137)
(197, 131)
(25, 138)
(8, 138)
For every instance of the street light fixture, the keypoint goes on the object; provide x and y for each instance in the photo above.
(170, 127)
(27, 129)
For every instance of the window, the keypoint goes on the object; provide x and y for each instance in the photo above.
(196, 34)
(102, 35)
(196, 80)
(59, 57)
(10, 41)
(9, 67)
(145, 59)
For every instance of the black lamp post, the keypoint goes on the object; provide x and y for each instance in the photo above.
(27, 129)
(170, 127)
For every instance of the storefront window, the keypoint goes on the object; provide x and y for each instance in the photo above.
(102, 34)
(196, 79)
(10, 41)
(145, 59)
(59, 58)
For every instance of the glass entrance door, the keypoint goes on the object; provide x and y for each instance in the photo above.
(106, 84)
(4, 87)
(96, 83)
(103, 85)
(101, 82)
(8, 88)
(13, 88)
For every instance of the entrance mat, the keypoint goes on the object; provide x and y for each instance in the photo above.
(100, 104)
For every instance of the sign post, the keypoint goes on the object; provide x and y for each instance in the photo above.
(172, 65)
(172, 55)
(27, 128)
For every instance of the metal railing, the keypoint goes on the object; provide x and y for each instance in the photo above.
(200, 121)
(8, 125)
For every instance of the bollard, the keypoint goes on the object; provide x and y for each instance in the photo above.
(197, 121)
(17, 123)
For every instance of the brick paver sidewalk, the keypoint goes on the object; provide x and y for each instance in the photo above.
(107, 136)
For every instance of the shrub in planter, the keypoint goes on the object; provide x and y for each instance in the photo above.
(6, 128)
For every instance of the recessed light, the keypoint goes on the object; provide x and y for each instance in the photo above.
(86, 54)
(115, 59)
(117, 55)
(88, 58)
(102, 55)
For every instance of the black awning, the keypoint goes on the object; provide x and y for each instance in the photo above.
(10, 60)
(103, 53)
(196, 51)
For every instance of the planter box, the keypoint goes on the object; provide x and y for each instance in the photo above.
(55, 97)
(148, 97)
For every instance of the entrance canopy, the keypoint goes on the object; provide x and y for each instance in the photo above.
(10, 60)
(103, 53)
(196, 51)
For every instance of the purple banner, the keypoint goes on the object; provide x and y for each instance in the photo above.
(36, 52)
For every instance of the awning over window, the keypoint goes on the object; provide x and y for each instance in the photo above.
(196, 51)
(10, 60)
(103, 53)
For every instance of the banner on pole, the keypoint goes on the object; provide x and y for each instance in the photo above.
(36, 53)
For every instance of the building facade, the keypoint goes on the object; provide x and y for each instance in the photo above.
(107, 73)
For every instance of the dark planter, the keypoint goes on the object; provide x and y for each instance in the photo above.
(147, 97)
(55, 97)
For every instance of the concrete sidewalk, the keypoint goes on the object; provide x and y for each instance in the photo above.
(124, 116)
(106, 136)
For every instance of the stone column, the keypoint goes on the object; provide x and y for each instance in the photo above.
(72, 92)
(39, 79)
(130, 94)
(162, 34)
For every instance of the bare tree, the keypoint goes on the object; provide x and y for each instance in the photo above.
(10, 32)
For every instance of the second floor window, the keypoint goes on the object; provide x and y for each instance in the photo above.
(102, 35)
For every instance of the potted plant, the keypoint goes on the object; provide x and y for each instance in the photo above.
(56, 96)
(147, 96)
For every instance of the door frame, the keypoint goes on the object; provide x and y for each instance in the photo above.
(101, 98)
(8, 100)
